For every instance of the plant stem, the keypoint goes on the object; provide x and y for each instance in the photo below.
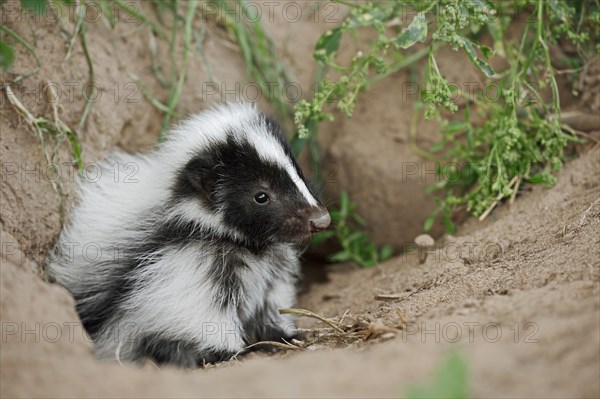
(133, 12)
(187, 39)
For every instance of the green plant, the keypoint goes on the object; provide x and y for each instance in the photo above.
(7, 56)
(522, 138)
(368, 66)
(51, 132)
(355, 244)
(257, 48)
(263, 65)
(53, 128)
(449, 382)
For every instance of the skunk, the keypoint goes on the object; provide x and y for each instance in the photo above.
(185, 255)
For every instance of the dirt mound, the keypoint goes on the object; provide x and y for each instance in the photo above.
(518, 295)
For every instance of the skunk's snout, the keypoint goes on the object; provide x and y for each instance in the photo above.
(319, 221)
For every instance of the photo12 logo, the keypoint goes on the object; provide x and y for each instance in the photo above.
(54, 172)
(471, 332)
(68, 92)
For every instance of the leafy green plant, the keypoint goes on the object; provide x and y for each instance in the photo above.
(449, 382)
(365, 68)
(522, 138)
(355, 244)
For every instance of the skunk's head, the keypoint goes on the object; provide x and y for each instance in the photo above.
(239, 177)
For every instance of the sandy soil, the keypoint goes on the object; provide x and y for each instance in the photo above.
(525, 316)
(518, 295)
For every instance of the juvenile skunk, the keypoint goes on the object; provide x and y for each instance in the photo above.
(188, 260)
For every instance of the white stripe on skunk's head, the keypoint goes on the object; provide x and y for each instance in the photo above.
(237, 166)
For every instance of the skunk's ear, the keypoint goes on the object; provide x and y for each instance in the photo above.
(199, 179)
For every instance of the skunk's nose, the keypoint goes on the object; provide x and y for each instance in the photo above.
(319, 221)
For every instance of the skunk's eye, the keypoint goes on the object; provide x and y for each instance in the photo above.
(261, 198)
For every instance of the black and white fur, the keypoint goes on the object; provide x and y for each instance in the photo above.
(179, 263)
